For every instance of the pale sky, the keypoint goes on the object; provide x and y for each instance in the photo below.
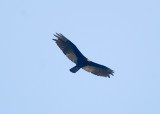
(123, 35)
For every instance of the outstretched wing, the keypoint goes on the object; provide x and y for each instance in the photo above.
(68, 48)
(98, 69)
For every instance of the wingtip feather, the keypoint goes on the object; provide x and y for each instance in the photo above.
(54, 39)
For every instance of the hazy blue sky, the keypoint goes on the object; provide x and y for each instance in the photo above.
(121, 34)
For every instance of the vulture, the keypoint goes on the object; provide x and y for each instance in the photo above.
(73, 53)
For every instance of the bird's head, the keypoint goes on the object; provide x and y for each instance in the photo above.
(88, 60)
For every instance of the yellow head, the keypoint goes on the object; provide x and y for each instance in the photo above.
(88, 60)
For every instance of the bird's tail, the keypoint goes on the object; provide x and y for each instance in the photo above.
(74, 69)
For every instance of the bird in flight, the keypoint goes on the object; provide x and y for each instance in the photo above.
(72, 52)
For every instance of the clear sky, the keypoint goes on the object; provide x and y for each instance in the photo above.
(124, 35)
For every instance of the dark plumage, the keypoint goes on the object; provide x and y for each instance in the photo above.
(72, 52)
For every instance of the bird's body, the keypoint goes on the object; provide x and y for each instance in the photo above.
(72, 52)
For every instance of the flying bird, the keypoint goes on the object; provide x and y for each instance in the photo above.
(72, 52)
